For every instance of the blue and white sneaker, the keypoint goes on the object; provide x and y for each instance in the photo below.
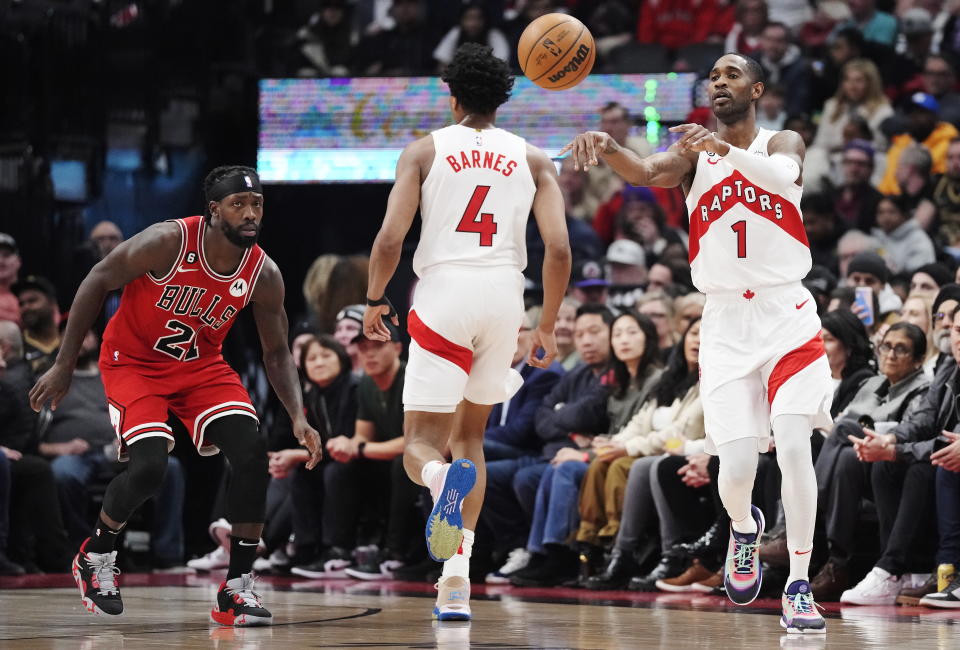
(444, 530)
(453, 599)
(742, 574)
(800, 615)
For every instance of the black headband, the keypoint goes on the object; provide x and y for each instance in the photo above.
(248, 182)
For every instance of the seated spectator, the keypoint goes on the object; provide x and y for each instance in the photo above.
(658, 307)
(747, 31)
(687, 309)
(946, 301)
(373, 455)
(82, 445)
(104, 237)
(946, 197)
(926, 280)
(820, 282)
(672, 422)
(856, 198)
(877, 26)
(602, 182)
(859, 93)
(939, 81)
(851, 244)
(324, 46)
(635, 360)
(349, 323)
(9, 267)
(923, 128)
(842, 477)
(512, 485)
(869, 270)
(626, 263)
(905, 245)
(943, 591)
(324, 530)
(675, 23)
(916, 185)
(918, 310)
(770, 109)
(510, 431)
(40, 315)
(822, 228)
(475, 27)
(785, 66)
(849, 354)
(588, 283)
(38, 539)
(567, 355)
(841, 46)
(401, 50)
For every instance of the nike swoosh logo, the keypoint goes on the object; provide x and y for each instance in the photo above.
(183, 270)
(712, 161)
(800, 306)
(243, 543)
(795, 552)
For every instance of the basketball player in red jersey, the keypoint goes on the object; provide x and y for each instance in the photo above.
(184, 282)
(761, 358)
(475, 185)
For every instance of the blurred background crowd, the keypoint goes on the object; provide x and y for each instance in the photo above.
(597, 474)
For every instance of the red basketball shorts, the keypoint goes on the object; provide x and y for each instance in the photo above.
(140, 397)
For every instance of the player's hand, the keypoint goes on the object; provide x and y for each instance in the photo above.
(52, 386)
(373, 326)
(309, 438)
(542, 340)
(698, 138)
(587, 147)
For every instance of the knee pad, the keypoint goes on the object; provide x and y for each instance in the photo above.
(238, 437)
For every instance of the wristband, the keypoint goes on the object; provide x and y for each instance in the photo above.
(383, 301)
(360, 449)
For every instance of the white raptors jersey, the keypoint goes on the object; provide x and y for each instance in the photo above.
(475, 201)
(742, 236)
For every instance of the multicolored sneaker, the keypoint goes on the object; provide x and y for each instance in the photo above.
(238, 605)
(453, 599)
(742, 574)
(800, 615)
(445, 525)
(96, 578)
(946, 598)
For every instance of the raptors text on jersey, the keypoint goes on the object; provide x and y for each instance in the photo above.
(475, 201)
(741, 235)
(184, 315)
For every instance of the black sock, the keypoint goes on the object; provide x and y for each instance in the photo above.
(103, 538)
(242, 554)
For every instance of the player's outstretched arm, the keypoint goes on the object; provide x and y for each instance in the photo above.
(401, 209)
(665, 169)
(272, 326)
(549, 211)
(155, 249)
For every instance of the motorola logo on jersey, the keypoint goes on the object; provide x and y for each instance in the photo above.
(189, 301)
(238, 288)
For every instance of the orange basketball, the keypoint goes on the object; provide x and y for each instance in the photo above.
(556, 51)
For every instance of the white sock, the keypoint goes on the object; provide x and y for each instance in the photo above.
(459, 564)
(746, 526)
(429, 474)
(799, 489)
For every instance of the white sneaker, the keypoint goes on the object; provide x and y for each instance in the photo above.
(453, 599)
(218, 558)
(220, 532)
(518, 559)
(262, 565)
(878, 588)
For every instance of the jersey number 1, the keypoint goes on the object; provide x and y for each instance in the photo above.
(473, 221)
(740, 228)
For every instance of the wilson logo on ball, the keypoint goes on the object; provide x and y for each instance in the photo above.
(582, 53)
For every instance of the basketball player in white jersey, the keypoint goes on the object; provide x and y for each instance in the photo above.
(475, 185)
(761, 358)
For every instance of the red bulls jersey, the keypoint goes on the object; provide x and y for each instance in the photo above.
(185, 315)
(741, 235)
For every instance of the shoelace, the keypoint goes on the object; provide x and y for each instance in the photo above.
(245, 592)
(743, 556)
(104, 572)
(803, 603)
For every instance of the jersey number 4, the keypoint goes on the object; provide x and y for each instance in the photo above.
(473, 221)
(181, 345)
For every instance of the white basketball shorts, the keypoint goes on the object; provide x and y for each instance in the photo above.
(761, 356)
(463, 323)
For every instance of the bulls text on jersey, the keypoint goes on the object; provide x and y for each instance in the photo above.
(184, 300)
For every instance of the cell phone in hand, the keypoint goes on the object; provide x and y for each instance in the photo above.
(863, 296)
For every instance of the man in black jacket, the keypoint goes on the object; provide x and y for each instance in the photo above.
(512, 483)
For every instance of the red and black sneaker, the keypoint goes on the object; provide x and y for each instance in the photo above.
(96, 578)
(238, 605)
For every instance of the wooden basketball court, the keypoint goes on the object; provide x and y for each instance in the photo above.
(172, 611)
